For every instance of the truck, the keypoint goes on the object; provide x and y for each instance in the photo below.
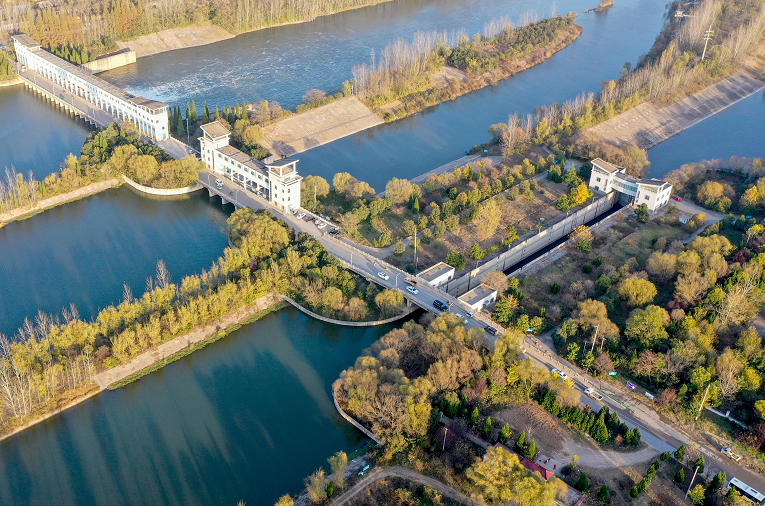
(591, 392)
(727, 450)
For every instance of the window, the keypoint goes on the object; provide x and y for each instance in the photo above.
(597, 179)
(646, 197)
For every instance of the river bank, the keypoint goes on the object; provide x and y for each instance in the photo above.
(50, 202)
(206, 33)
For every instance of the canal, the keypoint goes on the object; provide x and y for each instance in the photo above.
(244, 419)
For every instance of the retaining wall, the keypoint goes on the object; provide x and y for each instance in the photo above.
(531, 245)
(161, 191)
(111, 61)
(353, 421)
(345, 323)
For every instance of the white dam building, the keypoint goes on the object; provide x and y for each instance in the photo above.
(606, 177)
(149, 116)
(277, 182)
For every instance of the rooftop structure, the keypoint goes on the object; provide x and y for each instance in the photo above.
(278, 182)
(438, 275)
(479, 297)
(606, 177)
(149, 116)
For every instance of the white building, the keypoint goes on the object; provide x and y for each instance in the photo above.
(605, 178)
(278, 182)
(479, 297)
(149, 116)
(438, 275)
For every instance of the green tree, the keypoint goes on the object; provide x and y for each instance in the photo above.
(680, 453)
(680, 477)
(316, 485)
(531, 450)
(697, 494)
(583, 483)
(599, 431)
(604, 495)
(206, 113)
(456, 260)
(390, 302)
(487, 427)
(647, 326)
(520, 443)
(699, 464)
(504, 434)
(636, 291)
(475, 251)
(347, 90)
(642, 213)
(194, 116)
(399, 190)
(338, 463)
(718, 481)
(474, 417)
(285, 500)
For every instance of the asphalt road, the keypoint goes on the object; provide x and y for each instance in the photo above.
(657, 433)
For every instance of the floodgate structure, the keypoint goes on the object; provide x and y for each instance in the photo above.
(606, 177)
(75, 87)
(278, 182)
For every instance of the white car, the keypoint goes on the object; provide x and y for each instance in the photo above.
(412, 289)
(301, 216)
(562, 374)
(592, 393)
(383, 275)
(321, 225)
(468, 314)
(218, 184)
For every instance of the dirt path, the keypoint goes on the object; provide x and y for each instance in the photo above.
(50, 202)
(150, 357)
(407, 474)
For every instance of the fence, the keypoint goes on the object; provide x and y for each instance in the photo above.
(535, 243)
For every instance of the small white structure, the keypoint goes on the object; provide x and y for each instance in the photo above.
(438, 275)
(605, 178)
(149, 116)
(278, 182)
(479, 297)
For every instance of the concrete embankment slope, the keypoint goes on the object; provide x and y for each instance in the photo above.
(175, 38)
(647, 125)
(322, 125)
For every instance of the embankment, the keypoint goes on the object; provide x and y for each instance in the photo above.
(42, 205)
(152, 360)
(646, 125)
(161, 191)
(409, 310)
(315, 127)
(111, 61)
(11, 82)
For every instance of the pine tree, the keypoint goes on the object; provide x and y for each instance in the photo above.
(217, 112)
(603, 494)
(583, 483)
(531, 451)
(180, 129)
(487, 428)
(231, 117)
(188, 111)
(84, 56)
(680, 476)
(206, 113)
(599, 431)
(504, 433)
(194, 115)
(474, 417)
(520, 443)
(243, 111)
(680, 453)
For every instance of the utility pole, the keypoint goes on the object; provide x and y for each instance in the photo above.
(446, 429)
(707, 38)
(696, 470)
(314, 196)
(702, 402)
(415, 252)
(597, 327)
(188, 135)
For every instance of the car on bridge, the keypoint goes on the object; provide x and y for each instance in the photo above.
(412, 289)
(383, 275)
(490, 330)
(218, 184)
(440, 305)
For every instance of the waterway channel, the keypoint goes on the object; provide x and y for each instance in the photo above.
(248, 417)
(244, 419)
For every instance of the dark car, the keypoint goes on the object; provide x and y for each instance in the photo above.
(335, 231)
(490, 330)
(440, 305)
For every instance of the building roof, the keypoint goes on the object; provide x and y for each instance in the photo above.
(282, 163)
(477, 294)
(215, 129)
(88, 77)
(435, 272)
(26, 40)
(653, 182)
(243, 158)
(602, 164)
(534, 467)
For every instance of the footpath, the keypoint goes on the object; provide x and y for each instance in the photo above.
(151, 357)
(50, 202)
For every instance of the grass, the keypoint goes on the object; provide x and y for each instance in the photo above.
(194, 347)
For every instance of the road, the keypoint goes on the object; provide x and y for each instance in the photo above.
(660, 434)
(407, 474)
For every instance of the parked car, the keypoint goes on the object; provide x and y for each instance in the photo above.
(591, 392)
(562, 374)
(321, 225)
(412, 289)
(301, 216)
(676, 198)
(335, 231)
(490, 330)
(383, 275)
(440, 305)
(729, 452)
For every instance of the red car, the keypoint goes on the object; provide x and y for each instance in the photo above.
(676, 198)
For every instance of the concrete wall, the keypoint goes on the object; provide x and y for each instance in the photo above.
(161, 191)
(112, 61)
(528, 247)
(407, 311)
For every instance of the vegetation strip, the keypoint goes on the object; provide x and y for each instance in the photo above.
(196, 346)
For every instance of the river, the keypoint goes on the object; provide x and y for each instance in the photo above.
(246, 418)
(249, 416)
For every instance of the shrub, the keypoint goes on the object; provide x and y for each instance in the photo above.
(583, 483)
(603, 494)
(680, 476)
(597, 261)
(555, 288)
(587, 268)
(456, 260)
(664, 456)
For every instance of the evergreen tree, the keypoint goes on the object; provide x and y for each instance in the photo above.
(217, 112)
(206, 113)
(680, 453)
(700, 464)
(243, 111)
(188, 111)
(603, 494)
(194, 115)
(231, 116)
(84, 56)
(599, 431)
(520, 443)
(504, 433)
(474, 417)
(487, 428)
(180, 128)
(531, 451)
(680, 476)
(583, 483)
